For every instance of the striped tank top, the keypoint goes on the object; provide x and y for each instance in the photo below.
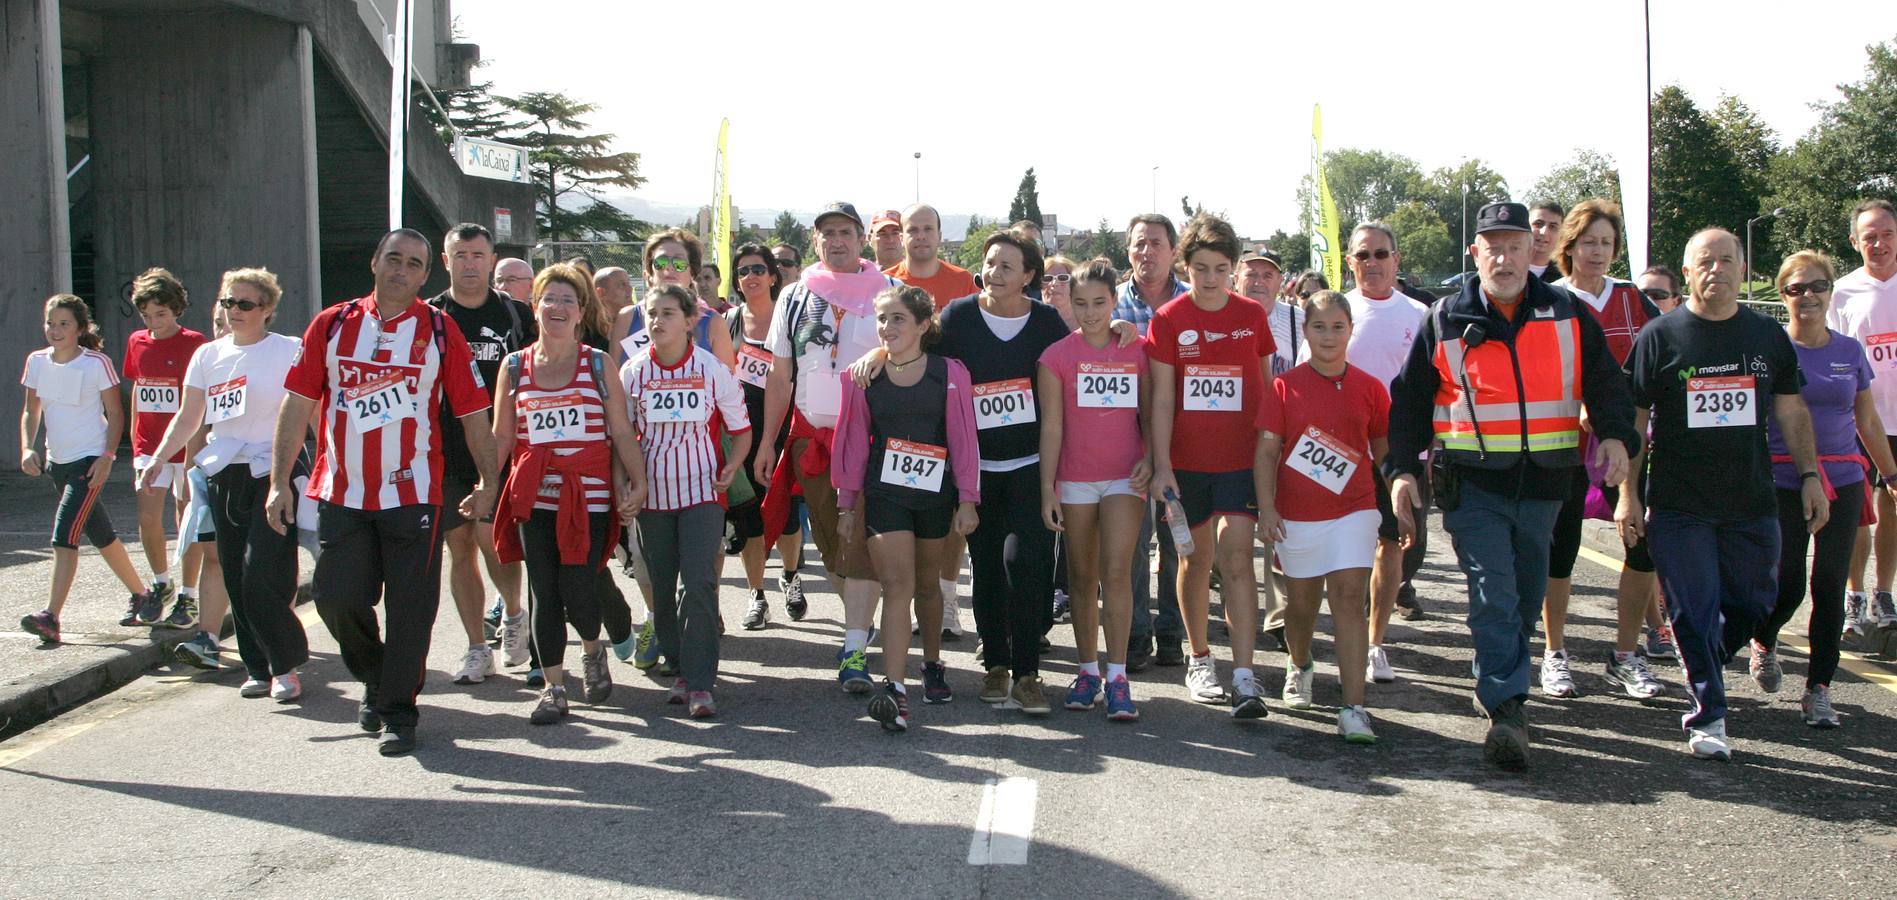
(564, 420)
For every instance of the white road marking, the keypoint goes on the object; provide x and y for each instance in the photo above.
(1004, 829)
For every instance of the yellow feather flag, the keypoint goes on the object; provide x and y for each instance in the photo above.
(721, 213)
(1327, 252)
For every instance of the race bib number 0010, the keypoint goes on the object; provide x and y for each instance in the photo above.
(912, 465)
(155, 395)
(1002, 403)
(676, 400)
(225, 401)
(1107, 385)
(1214, 388)
(379, 401)
(1720, 402)
(1324, 459)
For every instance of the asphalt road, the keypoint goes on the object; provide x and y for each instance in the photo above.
(174, 786)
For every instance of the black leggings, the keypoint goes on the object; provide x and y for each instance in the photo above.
(1566, 545)
(1012, 557)
(259, 574)
(79, 510)
(561, 593)
(1828, 567)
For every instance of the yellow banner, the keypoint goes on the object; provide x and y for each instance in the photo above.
(1327, 252)
(721, 214)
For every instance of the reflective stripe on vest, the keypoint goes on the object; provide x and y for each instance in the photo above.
(1546, 421)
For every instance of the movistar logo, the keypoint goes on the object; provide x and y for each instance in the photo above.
(1687, 372)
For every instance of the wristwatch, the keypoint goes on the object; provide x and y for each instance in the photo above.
(1804, 475)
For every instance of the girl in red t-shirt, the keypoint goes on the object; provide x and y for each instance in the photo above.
(1317, 502)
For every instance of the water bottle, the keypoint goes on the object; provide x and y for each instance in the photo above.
(1176, 519)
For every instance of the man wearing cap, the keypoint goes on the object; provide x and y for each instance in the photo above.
(885, 232)
(1260, 275)
(1496, 382)
(822, 324)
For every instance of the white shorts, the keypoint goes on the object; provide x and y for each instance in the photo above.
(170, 475)
(1315, 549)
(1083, 493)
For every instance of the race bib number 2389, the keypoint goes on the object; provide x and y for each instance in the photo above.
(1721, 402)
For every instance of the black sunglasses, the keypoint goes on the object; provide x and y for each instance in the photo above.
(1657, 294)
(752, 269)
(234, 303)
(1820, 286)
(1380, 253)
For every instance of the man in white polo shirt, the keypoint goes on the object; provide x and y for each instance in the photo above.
(1864, 306)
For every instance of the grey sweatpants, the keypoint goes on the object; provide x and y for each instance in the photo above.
(682, 549)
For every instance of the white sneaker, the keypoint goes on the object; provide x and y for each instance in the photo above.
(1377, 666)
(514, 640)
(951, 614)
(1632, 676)
(1297, 685)
(253, 688)
(476, 666)
(286, 688)
(1353, 722)
(1556, 680)
(1709, 741)
(1202, 680)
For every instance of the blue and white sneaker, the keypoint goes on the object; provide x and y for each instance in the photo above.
(853, 672)
(1084, 693)
(1120, 706)
(535, 678)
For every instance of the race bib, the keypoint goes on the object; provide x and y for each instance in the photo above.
(823, 393)
(916, 466)
(1214, 388)
(1108, 385)
(1324, 459)
(1720, 402)
(635, 342)
(754, 365)
(551, 419)
(1882, 350)
(225, 401)
(379, 401)
(676, 400)
(156, 395)
(1000, 403)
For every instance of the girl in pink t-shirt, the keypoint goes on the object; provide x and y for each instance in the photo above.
(1096, 494)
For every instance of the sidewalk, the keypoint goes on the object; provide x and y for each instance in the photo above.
(98, 656)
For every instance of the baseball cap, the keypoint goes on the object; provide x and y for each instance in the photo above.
(1501, 217)
(1264, 254)
(886, 217)
(840, 208)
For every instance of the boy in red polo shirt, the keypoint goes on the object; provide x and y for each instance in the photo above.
(155, 360)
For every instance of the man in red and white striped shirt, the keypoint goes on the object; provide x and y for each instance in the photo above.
(377, 372)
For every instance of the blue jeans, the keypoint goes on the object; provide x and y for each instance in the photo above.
(1502, 547)
(1721, 581)
(1166, 622)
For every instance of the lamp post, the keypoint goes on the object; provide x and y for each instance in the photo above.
(1749, 223)
(1155, 198)
(918, 176)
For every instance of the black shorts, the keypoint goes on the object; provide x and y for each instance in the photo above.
(884, 517)
(454, 486)
(1387, 527)
(1206, 494)
(79, 511)
(1639, 559)
(747, 519)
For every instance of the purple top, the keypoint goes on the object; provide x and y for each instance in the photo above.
(1834, 374)
(849, 453)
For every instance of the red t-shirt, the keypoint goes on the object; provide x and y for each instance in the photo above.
(155, 370)
(1323, 423)
(1217, 378)
(381, 388)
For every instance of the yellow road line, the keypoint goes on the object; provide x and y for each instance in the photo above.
(1871, 671)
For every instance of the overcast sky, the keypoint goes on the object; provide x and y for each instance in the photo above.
(831, 100)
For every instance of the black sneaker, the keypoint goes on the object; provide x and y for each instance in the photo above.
(794, 602)
(1408, 604)
(200, 652)
(43, 625)
(890, 707)
(396, 740)
(758, 614)
(131, 611)
(935, 686)
(1506, 746)
(1139, 654)
(1063, 607)
(1170, 654)
(367, 718)
(150, 609)
(184, 613)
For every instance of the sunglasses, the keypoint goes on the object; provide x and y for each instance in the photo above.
(1821, 286)
(752, 269)
(793, 263)
(234, 303)
(1061, 278)
(678, 263)
(1363, 255)
(1657, 294)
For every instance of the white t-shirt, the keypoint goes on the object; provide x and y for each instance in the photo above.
(1599, 303)
(1382, 332)
(1287, 332)
(1866, 309)
(806, 329)
(247, 384)
(70, 404)
(1004, 327)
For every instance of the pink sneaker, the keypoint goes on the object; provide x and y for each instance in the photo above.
(702, 706)
(286, 688)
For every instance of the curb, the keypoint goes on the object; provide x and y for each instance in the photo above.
(47, 694)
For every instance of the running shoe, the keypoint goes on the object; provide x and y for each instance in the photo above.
(551, 708)
(890, 707)
(139, 610)
(1660, 643)
(758, 614)
(184, 613)
(1202, 680)
(1246, 704)
(1883, 612)
(536, 679)
(1063, 607)
(1376, 665)
(43, 625)
(199, 652)
(1816, 705)
(680, 690)
(1029, 695)
(1084, 693)
(252, 688)
(1297, 684)
(1409, 606)
(1353, 722)
(645, 652)
(476, 665)
(794, 602)
(151, 606)
(1556, 680)
(701, 706)
(853, 671)
(514, 640)
(367, 718)
(623, 649)
(1766, 672)
(1120, 706)
(595, 678)
(994, 685)
(935, 686)
(1139, 654)
(286, 688)
(1170, 654)
(1855, 607)
(1633, 676)
(1709, 741)
(491, 621)
(1506, 745)
(396, 740)
(951, 616)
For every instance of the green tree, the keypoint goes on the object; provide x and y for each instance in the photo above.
(1423, 238)
(1585, 175)
(1697, 183)
(571, 165)
(1294, 249)
(1849, 155)
(1027, 201)
(968, 255)
(1442, 193)
(1753, 144)
(1110, 244)
(743, 232)
(1366, 184)
(791, 233)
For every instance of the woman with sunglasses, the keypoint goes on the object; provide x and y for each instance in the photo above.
(1837, 389)
(1057, 287)
(758, 280)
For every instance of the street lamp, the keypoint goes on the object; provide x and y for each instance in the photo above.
(918, 176)
(1155, 200)
(1749, 223)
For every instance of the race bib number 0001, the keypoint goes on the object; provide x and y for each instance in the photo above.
(154, 395)
(1214, 388)
(379, 401)
(1882, 350)
(1108, 385)
(1720, 402)
(915, 466)
(1324, 459)
(676, 400)
(754, 365)
(1002, 403)
(226, 401)
(551, 419)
